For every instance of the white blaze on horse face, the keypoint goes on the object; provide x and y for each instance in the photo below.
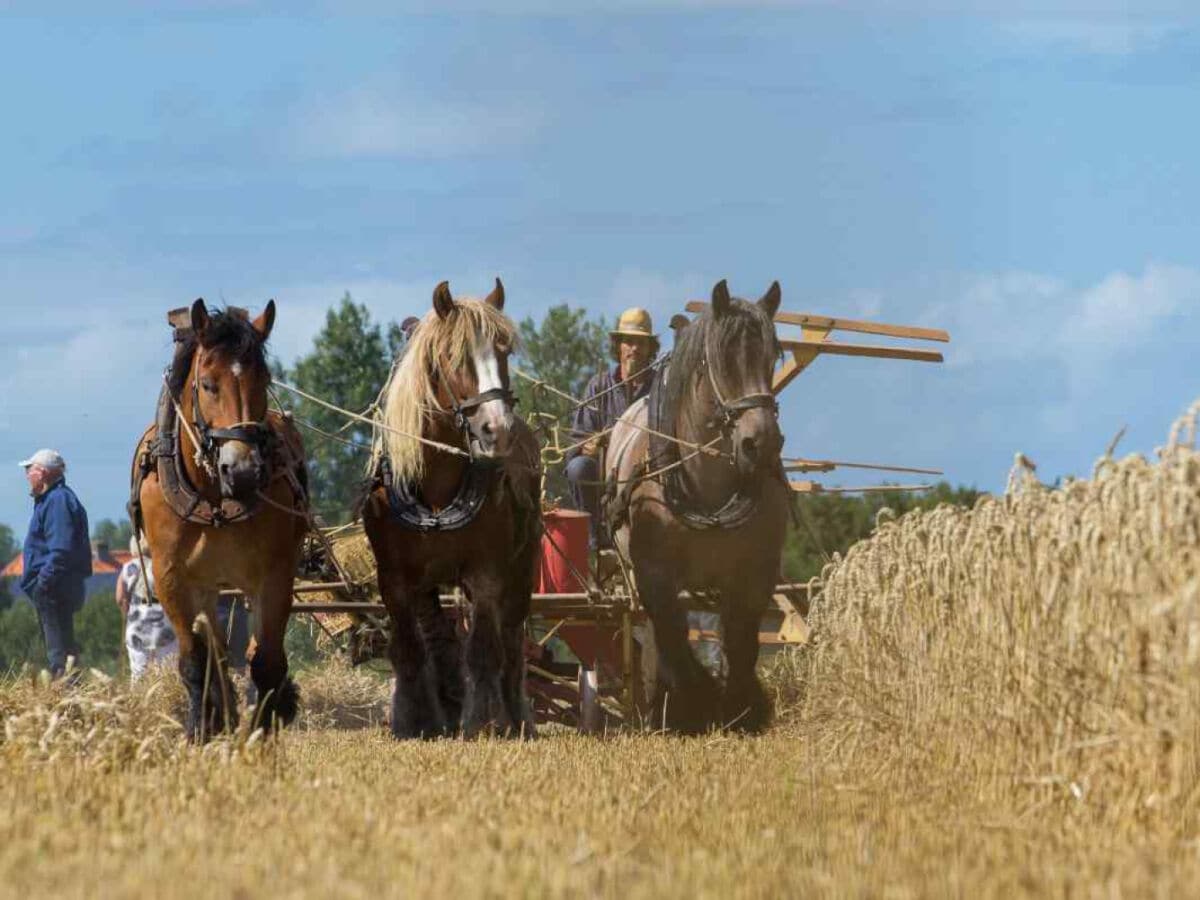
(493, 417)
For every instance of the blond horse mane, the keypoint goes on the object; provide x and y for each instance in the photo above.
(409, 398)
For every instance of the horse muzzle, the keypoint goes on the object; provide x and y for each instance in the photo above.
(491, 436)
(241, 475)
(757, 451)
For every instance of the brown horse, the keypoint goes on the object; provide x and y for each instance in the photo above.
(707, 521)
(468, 515)
(219, 488)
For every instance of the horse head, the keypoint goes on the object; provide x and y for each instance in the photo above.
(740, 349)
(229, 380)
(471, 368)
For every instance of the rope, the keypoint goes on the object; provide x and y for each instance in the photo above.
(197, 456)
(653, 473)
(330, 436)
(291, 511)
(705, 448)
(578, 404)
(375, 423)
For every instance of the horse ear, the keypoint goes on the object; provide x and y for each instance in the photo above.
(265, 321)
(496, 297)
(442, 301)
(770, 300)
(720, 298)
(199, 317)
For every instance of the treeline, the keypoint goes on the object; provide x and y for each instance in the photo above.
(830, 523)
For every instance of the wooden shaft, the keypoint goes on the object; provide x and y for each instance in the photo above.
(839, 349)
(812, 487)
(834, 324)
(563, 605)
(826, 465)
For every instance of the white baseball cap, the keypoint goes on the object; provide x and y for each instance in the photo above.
(47, 459)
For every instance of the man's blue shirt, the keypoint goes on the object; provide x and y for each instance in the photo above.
(57, 550)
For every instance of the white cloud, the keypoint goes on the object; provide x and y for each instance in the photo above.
(1124, 308)
(370, 122)
(1117, 36)
(1025, 316)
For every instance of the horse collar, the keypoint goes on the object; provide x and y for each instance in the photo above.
(410, 511)
(664, 456)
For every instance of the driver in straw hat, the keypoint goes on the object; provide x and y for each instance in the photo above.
(633, 346)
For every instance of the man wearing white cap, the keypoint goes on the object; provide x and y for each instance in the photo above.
(57, 555)
(633, 345)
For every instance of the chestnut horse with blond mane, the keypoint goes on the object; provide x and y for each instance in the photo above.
(219, 488)
(455, 500)
(710, 519)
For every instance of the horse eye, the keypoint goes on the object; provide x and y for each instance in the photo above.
(209, 385)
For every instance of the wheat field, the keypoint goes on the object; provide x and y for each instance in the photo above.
(996, 702)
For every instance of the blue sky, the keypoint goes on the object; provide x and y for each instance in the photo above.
(1021, 174)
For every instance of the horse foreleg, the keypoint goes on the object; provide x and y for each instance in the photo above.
(201, 659)
(512, 639)
(445, 657)
(278, 696)
(484, 704)
(416, 712)
(745, 705)
(685, 697)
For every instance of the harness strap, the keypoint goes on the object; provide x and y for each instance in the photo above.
(410, 510)
(162, 453)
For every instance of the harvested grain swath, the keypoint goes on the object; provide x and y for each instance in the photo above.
(353, 552)
(1040, 649)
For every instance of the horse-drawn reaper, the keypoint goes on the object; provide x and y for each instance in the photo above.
(697, 496)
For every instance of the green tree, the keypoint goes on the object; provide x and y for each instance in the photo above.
(98, 630)
(20, 638)
(830, 523)
(9, 547)
(115, 534)
(564, 351)
(347, 367)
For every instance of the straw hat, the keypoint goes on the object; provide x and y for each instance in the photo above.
(634, 322)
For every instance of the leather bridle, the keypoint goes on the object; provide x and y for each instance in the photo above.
(462, 410)
(257, 434)
(727, 413)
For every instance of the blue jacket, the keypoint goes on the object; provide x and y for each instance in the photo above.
(57, 551)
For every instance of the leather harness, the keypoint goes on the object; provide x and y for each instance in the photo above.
(664, 455)
(161, 452)
(404, 499)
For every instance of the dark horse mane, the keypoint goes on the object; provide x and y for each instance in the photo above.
(229, 333)
(743, 323)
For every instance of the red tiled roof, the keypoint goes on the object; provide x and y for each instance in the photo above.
(111, 566)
